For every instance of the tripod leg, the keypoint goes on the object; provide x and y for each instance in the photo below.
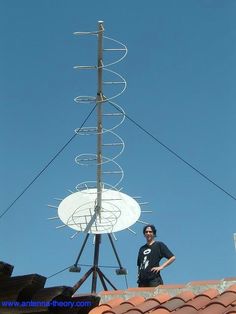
(104, 277)
(81, 250)
(114, 249)
(82, 280)
(100, 274)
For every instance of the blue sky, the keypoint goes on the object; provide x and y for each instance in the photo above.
(180, 70)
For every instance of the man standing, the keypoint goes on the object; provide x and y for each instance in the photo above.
(149, 257)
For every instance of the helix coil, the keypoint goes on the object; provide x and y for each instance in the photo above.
(112, 111)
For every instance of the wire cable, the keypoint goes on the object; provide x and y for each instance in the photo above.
(182, 159)
(176, 154)
(47, 165)
(59, 272)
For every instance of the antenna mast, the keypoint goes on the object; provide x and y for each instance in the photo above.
(99, 103)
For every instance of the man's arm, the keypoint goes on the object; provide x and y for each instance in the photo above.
(165, 264)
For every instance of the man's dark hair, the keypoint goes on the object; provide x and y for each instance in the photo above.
(152, 227)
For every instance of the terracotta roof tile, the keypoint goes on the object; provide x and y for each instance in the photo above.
(186, 295)
(122, 308)
(173, 304)
(106, 306)
(135, 300)
(178, 301)
(149, 305)
(199, 302)
(125, 306)
(211, 293)
(135, 311)
(231, 311)
(100, 309)
(231, 288)
(226, 298)
(230, 308)
(187, 309)
(214, 308)
(115, 302)
(161, 311)
(161, 298)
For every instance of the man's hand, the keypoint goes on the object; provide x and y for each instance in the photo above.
(156, 269)
(168, 262)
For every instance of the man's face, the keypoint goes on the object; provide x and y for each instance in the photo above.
(149, 234)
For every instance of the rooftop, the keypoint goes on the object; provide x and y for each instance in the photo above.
(205, 297)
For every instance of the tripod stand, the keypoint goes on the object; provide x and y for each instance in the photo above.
(95, 270)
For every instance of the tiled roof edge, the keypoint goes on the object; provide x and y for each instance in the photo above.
(220, 285)
(126, 294)
(172, 290)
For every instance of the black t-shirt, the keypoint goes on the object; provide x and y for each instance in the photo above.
(149, 256)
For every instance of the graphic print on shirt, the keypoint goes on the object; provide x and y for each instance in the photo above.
(145, 261)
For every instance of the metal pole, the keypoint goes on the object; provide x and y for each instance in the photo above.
(95, 262)
(99, 103)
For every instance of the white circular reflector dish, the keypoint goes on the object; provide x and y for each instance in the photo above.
(118, 211)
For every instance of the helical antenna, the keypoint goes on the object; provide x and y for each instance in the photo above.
(98, 206)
